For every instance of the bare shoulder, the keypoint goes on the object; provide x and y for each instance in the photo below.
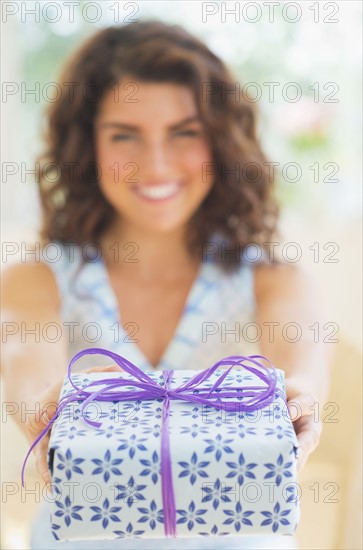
(29, 284)
(280, 280)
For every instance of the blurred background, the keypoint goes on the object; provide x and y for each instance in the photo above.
(315, 50)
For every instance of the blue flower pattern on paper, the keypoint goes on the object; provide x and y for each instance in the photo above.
(156, 413)
(146, 405)
(137, 423)
(193, 469)
(67, 511)
(107, 466)
(56, 485)
(194, 430)
(69, 464)
(278, 470)
(276, 518)
(241, 469)
(250, 417)
(151, 515)
(293, 494)
(129, 532)
(54, 528)
(214, 531)
(130, 493)
(132, 444)
(191, 516)
(193, 412)
(106, 513)
(71, 432)
(217, 421)
(109, 432)
(218, 445)
(280, 431)
(155, 430)
(218, 493)
(152, 467)
(72, 413)
(241, 430)
(115, 415)
(273, 411)
(127, 411)
(238, 517)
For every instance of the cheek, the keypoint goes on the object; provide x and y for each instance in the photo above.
(104, 160)
(195, 161)
(110, 167)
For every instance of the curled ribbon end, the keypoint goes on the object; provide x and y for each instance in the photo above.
(23, 467)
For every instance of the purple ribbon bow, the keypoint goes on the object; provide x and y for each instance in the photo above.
(254, 398)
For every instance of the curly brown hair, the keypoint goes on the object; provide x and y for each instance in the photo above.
(242, 208)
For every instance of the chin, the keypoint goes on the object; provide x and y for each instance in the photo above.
(161, 227)
(164, 229)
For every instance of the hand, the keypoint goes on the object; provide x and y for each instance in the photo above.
(300, 403)
(36, 423)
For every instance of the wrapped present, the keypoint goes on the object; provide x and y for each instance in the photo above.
(182, 453)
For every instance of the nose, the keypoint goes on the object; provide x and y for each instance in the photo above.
(156, 161)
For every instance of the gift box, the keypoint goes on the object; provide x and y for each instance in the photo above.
(145, 468)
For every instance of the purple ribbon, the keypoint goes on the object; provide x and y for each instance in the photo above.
(254, 398)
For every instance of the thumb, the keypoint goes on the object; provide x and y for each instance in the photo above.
(50, 400)
(45, 409)
(301, 405)
(49, 403)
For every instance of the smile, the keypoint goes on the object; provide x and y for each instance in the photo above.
(158, 192)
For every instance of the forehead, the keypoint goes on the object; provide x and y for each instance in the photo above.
(134, 100)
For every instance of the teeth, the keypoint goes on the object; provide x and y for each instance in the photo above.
(159, 191)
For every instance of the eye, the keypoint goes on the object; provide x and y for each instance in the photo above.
(187, 133)
(121, 137)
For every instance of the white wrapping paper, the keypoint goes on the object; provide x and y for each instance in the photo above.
(234, 473)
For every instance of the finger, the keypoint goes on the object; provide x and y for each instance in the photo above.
(45, 408)
(47, 412)
(308, 435)
(301, 405)
(37, 421)
(41, 462)
(301, 461)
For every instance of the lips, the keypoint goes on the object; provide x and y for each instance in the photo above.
(159, 192)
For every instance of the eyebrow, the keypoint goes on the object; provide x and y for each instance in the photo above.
(130, 127)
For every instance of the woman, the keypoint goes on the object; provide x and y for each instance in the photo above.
(160, 186)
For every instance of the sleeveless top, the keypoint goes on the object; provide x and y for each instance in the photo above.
(218, 317)
(218, 320)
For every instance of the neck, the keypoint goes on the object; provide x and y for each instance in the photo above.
(147, 255)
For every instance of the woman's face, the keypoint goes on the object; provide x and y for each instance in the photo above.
(151, 148)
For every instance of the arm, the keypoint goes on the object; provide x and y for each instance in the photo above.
(33, 368)
(287, 294)
(30, 362)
